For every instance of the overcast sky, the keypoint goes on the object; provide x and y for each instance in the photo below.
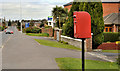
(30, 9)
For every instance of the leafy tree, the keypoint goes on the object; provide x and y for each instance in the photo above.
(59, 15)
(96, 11)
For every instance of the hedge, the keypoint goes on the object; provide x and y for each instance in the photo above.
(33, 30)
(111, 37)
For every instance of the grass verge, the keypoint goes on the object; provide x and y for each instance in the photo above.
(111, 51)
(39, 34)
(75, 63)
(56, 44)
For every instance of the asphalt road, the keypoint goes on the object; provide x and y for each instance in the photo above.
(23, 52)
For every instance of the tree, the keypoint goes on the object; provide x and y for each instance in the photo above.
(44, 21)
(9, 22)
(59, 15)
(31, 23)
(96, 11)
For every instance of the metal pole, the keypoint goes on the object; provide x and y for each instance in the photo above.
(83, 55)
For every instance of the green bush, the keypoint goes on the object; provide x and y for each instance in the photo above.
(42, 25)
(33, 30)
(18, 27)
(111, 37)
(118, 60)
(1, 28)
(29, 30)
(36, 30)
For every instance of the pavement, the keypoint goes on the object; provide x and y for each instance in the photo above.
(23, 52)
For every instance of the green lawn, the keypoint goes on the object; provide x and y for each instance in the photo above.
(39, 34)
(56, 44)
(111, 51)
(75, 63)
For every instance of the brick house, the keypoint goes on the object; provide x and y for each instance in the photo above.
(112, 22)
(110, 14)
(36, 22)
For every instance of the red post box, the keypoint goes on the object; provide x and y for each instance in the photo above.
(82, 25)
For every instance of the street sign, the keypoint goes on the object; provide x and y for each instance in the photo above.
(27, 25)
(50, 18)
(82, 29)
(82, 25)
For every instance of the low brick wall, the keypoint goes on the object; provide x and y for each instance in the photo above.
(78, 42)
(109, 46)
(48, 30)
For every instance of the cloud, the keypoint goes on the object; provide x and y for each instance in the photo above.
(27, 9)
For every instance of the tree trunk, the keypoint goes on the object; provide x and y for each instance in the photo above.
(59, 22)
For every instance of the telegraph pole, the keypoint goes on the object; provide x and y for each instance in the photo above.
(21, 15)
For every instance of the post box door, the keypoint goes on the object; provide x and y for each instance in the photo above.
(82, 25)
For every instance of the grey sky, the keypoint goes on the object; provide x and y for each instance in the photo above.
(27, 9)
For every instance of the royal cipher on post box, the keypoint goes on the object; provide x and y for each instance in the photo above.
(82, 24)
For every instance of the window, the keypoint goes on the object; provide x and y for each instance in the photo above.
(110, 29)
(106, 29)
(50, 23)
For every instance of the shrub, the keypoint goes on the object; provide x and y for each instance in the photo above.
(118, 60)
(111, 37)
(1, 28)
(18, 27)
(36, 30)
(42, 25)
(33, 30)
(29, 30)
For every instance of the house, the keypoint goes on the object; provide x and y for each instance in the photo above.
(110, 14)
(50, 21)
(36, 22)
(108, 7)
(112, 22)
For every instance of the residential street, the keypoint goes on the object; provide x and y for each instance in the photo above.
(23, 52)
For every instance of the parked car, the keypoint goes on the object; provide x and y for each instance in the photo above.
(8, 31)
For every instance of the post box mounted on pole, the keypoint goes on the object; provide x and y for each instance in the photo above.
(82, 30)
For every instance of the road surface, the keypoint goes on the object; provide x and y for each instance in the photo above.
(23, 52)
